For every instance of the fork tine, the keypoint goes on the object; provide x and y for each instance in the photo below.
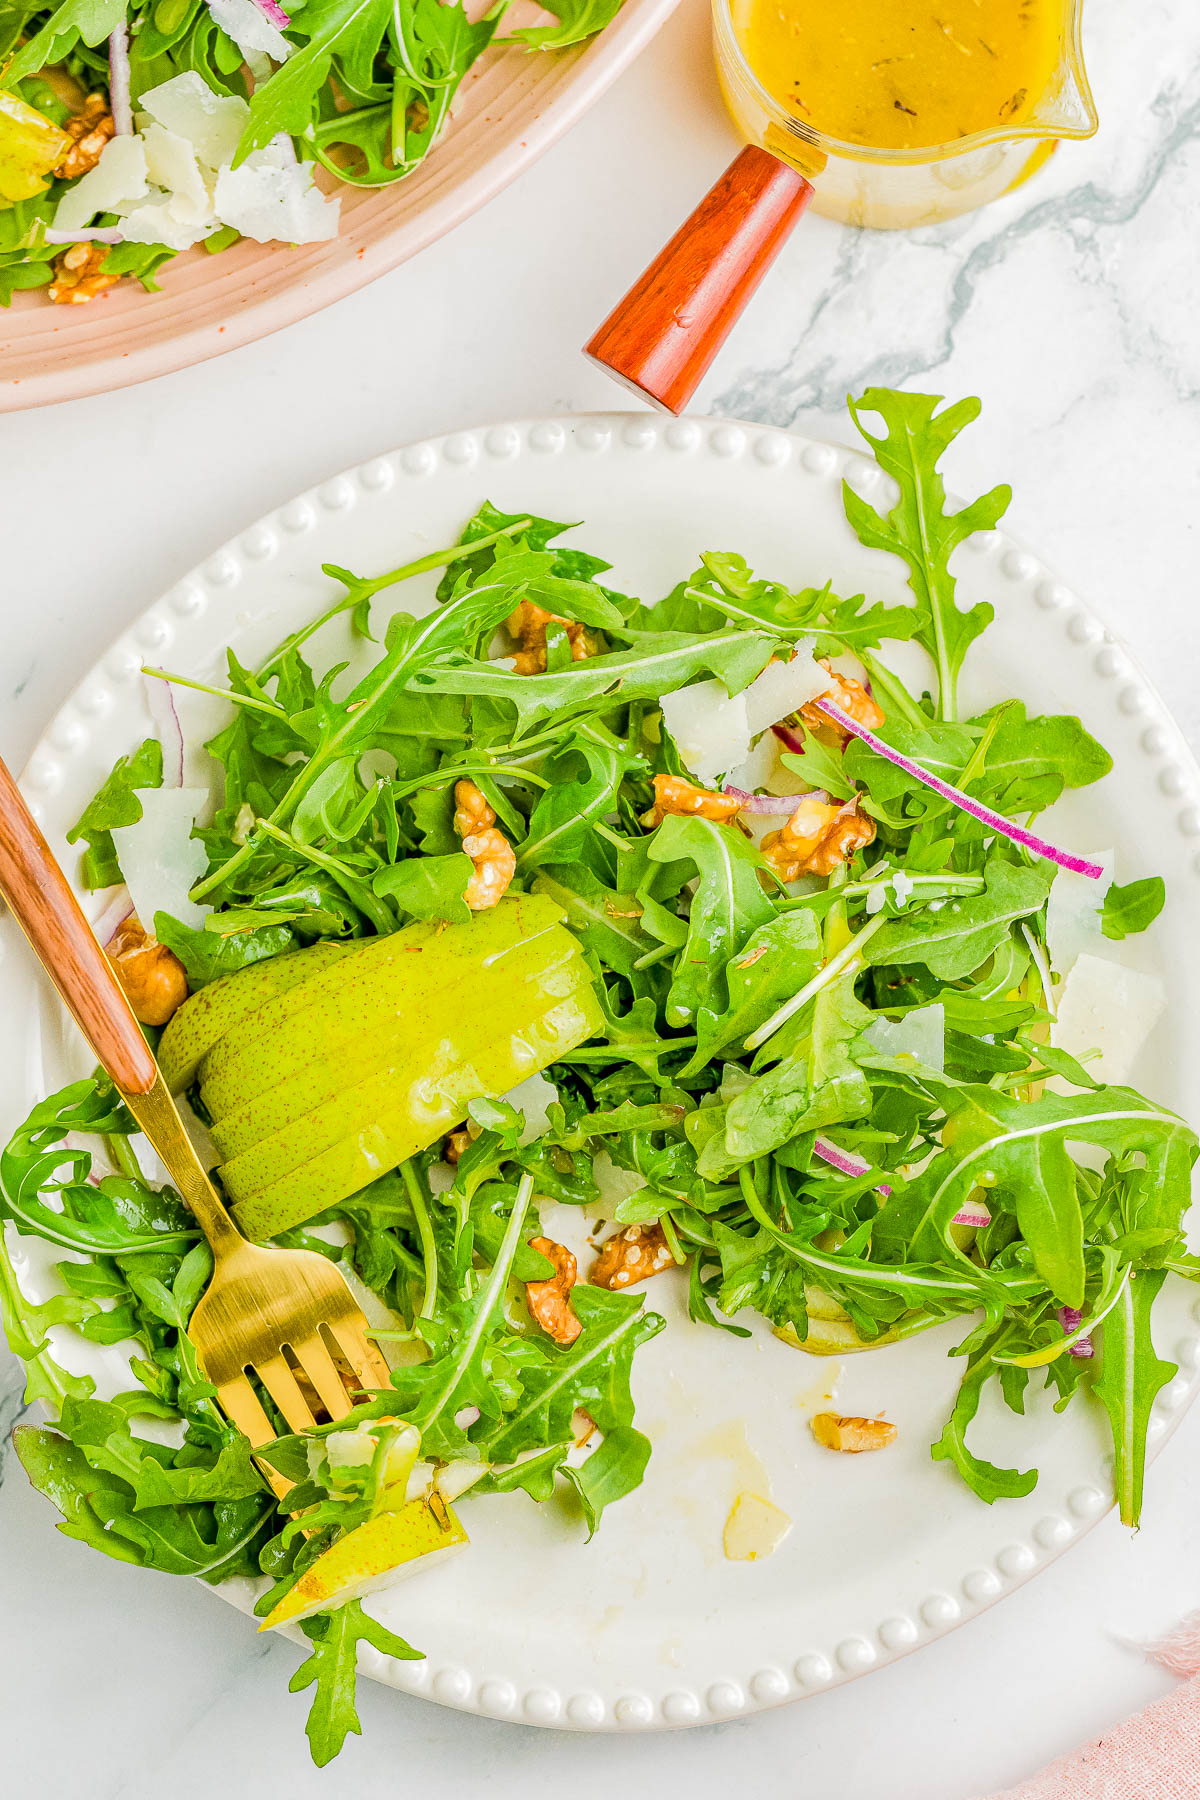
(314, 1359)
(363, 1356)
(284, 1390)
(239, 1402)
(238, 1399)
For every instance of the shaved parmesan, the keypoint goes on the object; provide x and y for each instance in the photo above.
(156, 223)
(920, 1034)
(272, 196)
(711, 730)
(534, 1097)
(1073, 913)
(250, 30)
(159, 857)
(172, 163)
(119, 177)
(211, 123)
(783, 687)
(1104, 1006)
(760, 767)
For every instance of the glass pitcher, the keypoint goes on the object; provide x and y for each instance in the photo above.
(664, 333)
(903, 188)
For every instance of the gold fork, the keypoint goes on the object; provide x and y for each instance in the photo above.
(285, 1315)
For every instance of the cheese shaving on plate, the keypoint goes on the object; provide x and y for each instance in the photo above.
(173, 181)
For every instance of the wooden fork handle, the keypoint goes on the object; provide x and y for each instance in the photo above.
(51, 918)
(663, 335)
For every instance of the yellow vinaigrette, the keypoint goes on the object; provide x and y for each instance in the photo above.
(891, 76)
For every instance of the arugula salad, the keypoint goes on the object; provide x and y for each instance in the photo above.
(131, 130)
(727, 933)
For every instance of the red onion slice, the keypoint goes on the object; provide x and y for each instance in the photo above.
(978, 1216)
(118, 81)
(271, 9)
(844, 1160)
(1071, 1319)
(994, 821)
(789, 739)
(161, 702)
(88, 234)
(115, 913)
(779, 806)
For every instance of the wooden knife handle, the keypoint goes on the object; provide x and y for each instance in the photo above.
(663, 335)
(51, 918)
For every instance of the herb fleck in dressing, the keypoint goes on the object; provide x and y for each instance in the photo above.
(896, 77)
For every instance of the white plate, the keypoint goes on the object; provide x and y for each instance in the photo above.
(649, 1625)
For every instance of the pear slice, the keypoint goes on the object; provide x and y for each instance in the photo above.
(332, 1059)
(418, 1536)
(382, 1143)
(412, 971)
(832, 1337)
(203, 1020)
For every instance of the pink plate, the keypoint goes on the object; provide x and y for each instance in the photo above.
(513, 105)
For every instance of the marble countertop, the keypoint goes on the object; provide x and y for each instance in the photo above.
(1069, 308)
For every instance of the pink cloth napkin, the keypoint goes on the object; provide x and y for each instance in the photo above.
(1155, 1755)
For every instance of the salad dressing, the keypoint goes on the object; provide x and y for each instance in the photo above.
(890, 76)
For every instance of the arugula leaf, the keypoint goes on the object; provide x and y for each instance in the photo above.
(608, 924)
(565, 815)
(658, 663)
(613, 1470)
(817, 1084)
(729, 903)
(428, 887)
(73, 22)
(772, 963)
(209, 955)
(1130, 1376)
(1020, 1146)
(982, 1477)
(115, 804)
(577, 20)
(959, 937)
(1132, 908)
(331, 1667)
(61, 1471)
(592, 1374)
(27, 1327)
(346, 28)
(1030, 761)
(918, 527)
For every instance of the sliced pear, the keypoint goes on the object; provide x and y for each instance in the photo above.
(418, 1536)
(417, 1090)
(350, 1454)
(832, 1337)
(410, 972)
(340, 1056)
(203, 1020)
(31, 148)
(379, 1145)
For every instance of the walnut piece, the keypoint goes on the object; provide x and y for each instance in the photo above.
(549, 1301)
(819, 837)
(79, 275)
(89, 131)
(633, 1254)
(852, 1434)
(674, 795)
(527, 625)
(494, 858)
(151, 975)
(852, 697)
(455, 1145)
